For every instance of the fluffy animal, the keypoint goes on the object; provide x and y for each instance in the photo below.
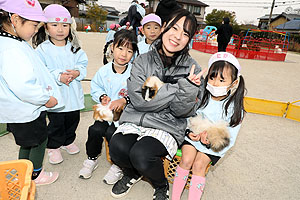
(150, 87)
(103, 113)
(217, 133)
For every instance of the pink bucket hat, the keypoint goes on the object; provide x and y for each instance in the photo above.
(151, 18)
(57, 13)
(225, 56)
(28, 9)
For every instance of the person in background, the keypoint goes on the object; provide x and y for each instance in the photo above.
(224, 33)
(135, 14)
(151, 28)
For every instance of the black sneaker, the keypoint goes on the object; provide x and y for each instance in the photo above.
(161, 193)
(123, 186)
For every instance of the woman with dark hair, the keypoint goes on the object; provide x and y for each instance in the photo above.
(154, 129)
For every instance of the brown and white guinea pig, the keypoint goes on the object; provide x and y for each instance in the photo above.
(217, 133)
(150, 87)
(103, 113)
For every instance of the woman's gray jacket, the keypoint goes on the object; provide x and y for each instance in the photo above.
(174, 102)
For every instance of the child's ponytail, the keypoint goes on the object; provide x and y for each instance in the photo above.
(105, 53)
(238, 104)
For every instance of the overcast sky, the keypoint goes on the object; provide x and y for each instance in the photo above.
(247, 11)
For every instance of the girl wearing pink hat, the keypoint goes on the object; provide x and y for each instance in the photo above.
(59, 49)
(222, 102)
(26, 88)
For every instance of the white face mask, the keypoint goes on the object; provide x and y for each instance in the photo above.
(217, 91)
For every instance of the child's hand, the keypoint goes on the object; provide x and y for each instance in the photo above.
(117, 104)
(51, 102)
(74, 73)
(194, 137)
(105, 100)
(196, 78)
(65, 78)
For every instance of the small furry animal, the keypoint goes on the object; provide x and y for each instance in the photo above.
(103, 113)
(217, 133)
(150, 87)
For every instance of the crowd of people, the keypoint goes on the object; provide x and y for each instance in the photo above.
(45, 80)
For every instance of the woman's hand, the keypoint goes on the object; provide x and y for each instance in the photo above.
(196, 79)
(194, 137)
(117, 104)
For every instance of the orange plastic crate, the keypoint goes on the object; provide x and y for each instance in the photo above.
(15, 180)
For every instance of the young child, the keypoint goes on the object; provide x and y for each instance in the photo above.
(153, 129)
(222, 101)
(151, 29)
(26, 87)
(67, 63)
(109, 86)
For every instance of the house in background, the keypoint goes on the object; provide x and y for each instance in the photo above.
(292, 26)
(194, 6)
(276, 20)
(71, 5)
(112, 13)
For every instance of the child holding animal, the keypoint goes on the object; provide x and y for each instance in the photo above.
(209, 139)
(153, 129)
(109, 88)
(59, 49)
(26, 87)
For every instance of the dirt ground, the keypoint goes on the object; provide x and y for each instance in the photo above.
(263, 164)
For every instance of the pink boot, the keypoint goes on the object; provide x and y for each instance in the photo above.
(46, 178)
(55, 156)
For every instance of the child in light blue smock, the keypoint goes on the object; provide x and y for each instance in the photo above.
(67, 64)
(222, 102)
(26, 87)
(109, 85)
(151, 28)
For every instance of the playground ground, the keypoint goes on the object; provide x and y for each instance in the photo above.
(263, 164)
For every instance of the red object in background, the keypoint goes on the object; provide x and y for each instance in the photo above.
(249, 48)
(85, 27)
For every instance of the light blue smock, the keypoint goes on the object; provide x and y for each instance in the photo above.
(25, 83)
(58, 59)
(110, 36)
(214, 112)
(143, 47)
(106, 81)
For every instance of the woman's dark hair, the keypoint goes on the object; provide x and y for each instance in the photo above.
(189, 26)
(237, 99)
(41, 36)
(122, 37)
(5, 19)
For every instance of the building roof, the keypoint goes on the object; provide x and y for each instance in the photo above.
(290, 25)
(275, 16)
(110, 10)
(193, 2)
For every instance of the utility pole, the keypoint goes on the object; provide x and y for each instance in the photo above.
(269, 22)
